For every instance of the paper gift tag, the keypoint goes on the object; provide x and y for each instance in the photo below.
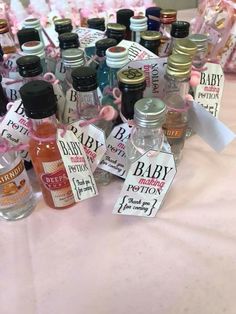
(213, 131)
(93, 140)
(114, 158)
(12, 88)
(70, 106)
(60, 71)
(77, 166)
(88, 36)
(147, 184)
(11, 66)
(14, 126)
(154, 70)
(209, 91)
(136, 51)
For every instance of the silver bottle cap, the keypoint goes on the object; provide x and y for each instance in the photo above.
(150, 112)
(35, 48)
(73, 58)
(200, 40)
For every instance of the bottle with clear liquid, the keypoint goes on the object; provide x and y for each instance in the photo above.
(88, 107)
(40, 107)
(6, 41)
(16, 195)
(147, 134)
(168, 16)
(177, 87)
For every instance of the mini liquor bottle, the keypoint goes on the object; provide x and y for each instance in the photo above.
(40, 106)
(34, 23)
(185, 47)
(138, 24)
(168, 16)
(16, 195)
(116, 31)
(96, 23)
(153, 15)
(27, 34)
(149, 116)
(30, 68)
(177, 87)
(88, 106)
(151, 40)
(123, 17)
(6, 41)
(132, 84)
(103, 70)
(72, 59)
(36, 48)
(63, 26)
(179, 29)
(201, 42)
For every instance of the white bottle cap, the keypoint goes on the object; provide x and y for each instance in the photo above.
(32, 23)
(138, 23)
(117, 57)
(35, 48)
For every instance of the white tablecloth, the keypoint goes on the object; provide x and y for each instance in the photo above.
(84, 260)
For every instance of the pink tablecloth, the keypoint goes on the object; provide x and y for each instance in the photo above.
(85, 260)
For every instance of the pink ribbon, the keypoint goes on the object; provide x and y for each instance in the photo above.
(50, 78)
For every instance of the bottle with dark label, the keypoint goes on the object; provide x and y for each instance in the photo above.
(151, 40)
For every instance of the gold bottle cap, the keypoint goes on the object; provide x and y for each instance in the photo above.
(65, 21)
(3, 26)
(200, 40)
(151, 35)
(168, 16)
(131, 76)
(179, 66)
(168, 12)
(116, 27)
(185, 47)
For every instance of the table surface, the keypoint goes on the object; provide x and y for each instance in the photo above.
(84, 260)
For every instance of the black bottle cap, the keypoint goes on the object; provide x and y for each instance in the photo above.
(63, 26)
(68, 40)
(84, 79)
(38, 99)
(27, 34)
(155, 11)
(180, 29)
(123, 17)
(103, 44)
(29, 66)
(96, 23)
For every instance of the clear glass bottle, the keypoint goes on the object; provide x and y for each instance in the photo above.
(132, 84)
(168, 16)
(40, 106)
(116, 31)
(34, 23)
(138, 24)
(153, 15)
(151, 40)
(16, 195)
(123, 17)
(30, 68)
(147, 134)
(177, 87)
(27, 34)
(6, 41)
(200, 58)
(88, 106)
(103, 70)
(72, 59)
(63, 26)
(36, 48)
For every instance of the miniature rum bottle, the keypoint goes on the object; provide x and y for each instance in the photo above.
(40, 106)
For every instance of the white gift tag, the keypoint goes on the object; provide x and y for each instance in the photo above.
(114, 158)
(60, 71)
(11, 88)
(61, 101)
(213, 131)
(209, 91)
(14, 127)
(136, 51)
(154, 70)
(77, 166)
(70, 106)
(88, 36)
(93, 140)
(146, 185)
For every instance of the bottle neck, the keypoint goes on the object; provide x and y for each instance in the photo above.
(45, 127)
(88, 104)
(175, 85)
(113, 78)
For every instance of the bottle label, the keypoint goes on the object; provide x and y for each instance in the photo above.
(11, 89)
(61, 101)
(154, 70)
(70, 112)
(14, 127)
(174, 133)
(147, 184)
(136, 51)
(60, 71)
(114, 159)
(11, 66)
(88, 36)
(14, 185)
(77, 166)
(56, 181)
(93, 140)
(209, 92)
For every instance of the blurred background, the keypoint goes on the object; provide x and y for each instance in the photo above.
(177, 4)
